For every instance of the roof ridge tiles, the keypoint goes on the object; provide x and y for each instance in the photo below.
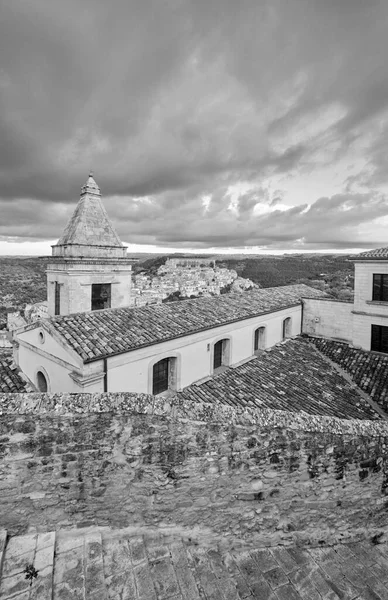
(379, 253)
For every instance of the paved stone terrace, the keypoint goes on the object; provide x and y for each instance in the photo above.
(123, 565)
(291, 376)
(369, 370)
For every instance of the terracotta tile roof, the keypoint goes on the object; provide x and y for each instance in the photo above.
(291, 376)
(10, 380)
(378, 253)
(113, 331)
(369, 370)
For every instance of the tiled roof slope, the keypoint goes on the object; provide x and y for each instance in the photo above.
(113, 331)
(10, 380)
(367, 369)
(291, 376)
(378, 253)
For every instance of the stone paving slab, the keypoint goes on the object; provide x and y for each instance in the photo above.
(19, 553)
(105, 564)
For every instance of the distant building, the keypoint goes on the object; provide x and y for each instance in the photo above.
(172, 263)
(15, 320)
(5, 339)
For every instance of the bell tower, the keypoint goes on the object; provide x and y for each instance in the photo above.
(89, 268)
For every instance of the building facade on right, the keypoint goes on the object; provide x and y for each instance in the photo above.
(362, 323)
(370, 309)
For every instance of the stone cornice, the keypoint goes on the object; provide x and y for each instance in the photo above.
(85, 380)
(90, 261)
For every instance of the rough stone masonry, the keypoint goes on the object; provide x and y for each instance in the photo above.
(257, 477)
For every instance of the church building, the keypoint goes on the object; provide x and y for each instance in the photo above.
(94, 341)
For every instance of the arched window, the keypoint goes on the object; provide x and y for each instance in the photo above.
(41, 381)
(286, 329)
(259, 343)
(221, 354)
(164, 375)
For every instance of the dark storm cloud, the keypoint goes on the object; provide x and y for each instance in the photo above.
(180, 99)
(330, 222)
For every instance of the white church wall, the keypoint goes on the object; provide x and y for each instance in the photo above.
(44, 341)
(328, 318)
(56, 371)
(133, 371)
(37, 350)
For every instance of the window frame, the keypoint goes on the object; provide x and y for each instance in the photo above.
(160, 383)
(174, 372)
(379, 332)
(218, 351)
(259, 342)
(57, 298)
(286, 328)
(379, 286)
(226, 353)
(99, 299)
(43, 372)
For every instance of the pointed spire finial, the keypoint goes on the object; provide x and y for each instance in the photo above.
(90, 186)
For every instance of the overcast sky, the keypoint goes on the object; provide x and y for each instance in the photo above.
(208, 124)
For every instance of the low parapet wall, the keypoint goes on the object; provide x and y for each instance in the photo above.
(263, 477)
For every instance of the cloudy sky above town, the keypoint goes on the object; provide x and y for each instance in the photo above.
(208, 124)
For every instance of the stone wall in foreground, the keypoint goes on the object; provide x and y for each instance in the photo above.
(262, 477)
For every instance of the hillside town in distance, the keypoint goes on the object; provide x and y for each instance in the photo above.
(186, 278)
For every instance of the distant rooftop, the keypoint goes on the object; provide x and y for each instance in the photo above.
(378, 253)
(96, 334)
(10, 379)
(292, 376)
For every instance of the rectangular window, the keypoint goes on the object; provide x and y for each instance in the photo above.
(379, 340)
(101, 295)
(57, 299)
(218, 347)
(259, 338)
(160, 376)
(380, 287)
